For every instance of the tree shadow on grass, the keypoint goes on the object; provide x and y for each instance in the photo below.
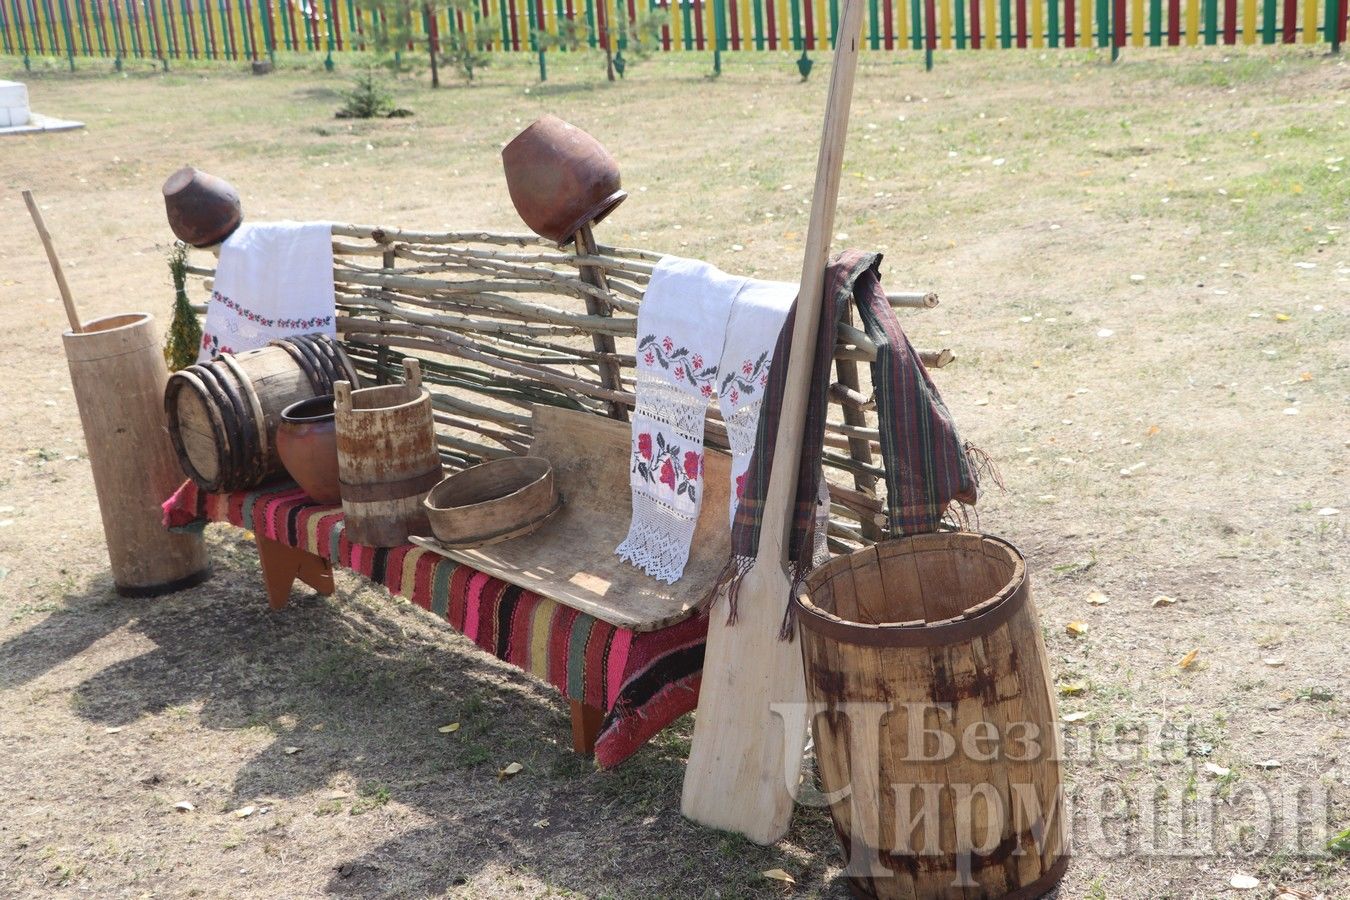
(360, 686)
(66, 633)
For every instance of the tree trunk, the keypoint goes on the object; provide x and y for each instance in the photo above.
(433, 44)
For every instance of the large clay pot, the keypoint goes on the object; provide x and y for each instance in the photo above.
(203, 210)
(307, 445)
(560, 178)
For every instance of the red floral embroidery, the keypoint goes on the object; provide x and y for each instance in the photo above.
(693, 463)
(741, 382)
(740, 485)
(688, 365)
(658, 460)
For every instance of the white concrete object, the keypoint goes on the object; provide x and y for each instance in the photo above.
(13, 104)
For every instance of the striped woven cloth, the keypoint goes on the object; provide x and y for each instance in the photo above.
(643, 680)
(927, 466)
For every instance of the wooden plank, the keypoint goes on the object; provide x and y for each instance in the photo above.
(749, 734)
(571, 558)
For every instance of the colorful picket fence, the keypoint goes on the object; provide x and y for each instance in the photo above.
(254, 29)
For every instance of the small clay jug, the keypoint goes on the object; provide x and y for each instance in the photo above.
(307, 445)
(203, 210)
(560, 178)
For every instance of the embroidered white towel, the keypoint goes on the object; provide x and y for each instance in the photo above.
(702, 335)
(757, 316)
(274, 280)
(681, 326)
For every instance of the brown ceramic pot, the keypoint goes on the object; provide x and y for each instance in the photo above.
(203, 210)
(307, 445)
(560, 178)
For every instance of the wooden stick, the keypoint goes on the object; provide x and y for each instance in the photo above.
(850, 397)
(604, 343)
(914, 300)
(71, 314)
(859, 447)
(750, 731)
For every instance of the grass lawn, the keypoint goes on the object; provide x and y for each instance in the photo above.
(1145, 274)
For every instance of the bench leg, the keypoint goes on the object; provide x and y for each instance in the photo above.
(283, 564)
(585, 727)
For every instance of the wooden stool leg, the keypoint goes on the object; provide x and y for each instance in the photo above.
(585, 727)
(283, 564)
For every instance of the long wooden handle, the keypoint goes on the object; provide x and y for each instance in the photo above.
(777, 519)
(75, 324)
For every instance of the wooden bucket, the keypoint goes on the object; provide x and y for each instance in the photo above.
(387, 458)
(948, 785)
(223, 415)
(118, 374)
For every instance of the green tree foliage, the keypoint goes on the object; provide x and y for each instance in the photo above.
(396, 25)
(640, 37)
(573, 34)
(368, 98)
(643, 34)
(466, 52)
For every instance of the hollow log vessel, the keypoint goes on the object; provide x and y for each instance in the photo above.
(935, 719)
(387, 458)
(118, 374)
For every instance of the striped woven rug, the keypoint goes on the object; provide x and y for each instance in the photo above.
(643, 680)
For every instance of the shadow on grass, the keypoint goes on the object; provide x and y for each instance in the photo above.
(360, 685)
(70, 630)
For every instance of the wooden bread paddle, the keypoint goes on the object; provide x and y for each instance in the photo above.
(750, 730)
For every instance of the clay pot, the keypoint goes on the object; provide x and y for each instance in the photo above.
(560, 178)
(307, 445)
(203, 210)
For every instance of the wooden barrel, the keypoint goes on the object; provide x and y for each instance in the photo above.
(118, 374)
(935, 719)
(387, 458)
(223, 415)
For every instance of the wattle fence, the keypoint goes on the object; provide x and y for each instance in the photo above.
(256, 29)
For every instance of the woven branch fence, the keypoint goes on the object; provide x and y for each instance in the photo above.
(257, 29)
(501, 322)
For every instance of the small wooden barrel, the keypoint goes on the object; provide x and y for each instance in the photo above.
(949, 782)
(118, 373)
(493, 502)
(223, 415)
(387, 458)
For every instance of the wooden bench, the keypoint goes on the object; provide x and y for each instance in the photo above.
(506, 323)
